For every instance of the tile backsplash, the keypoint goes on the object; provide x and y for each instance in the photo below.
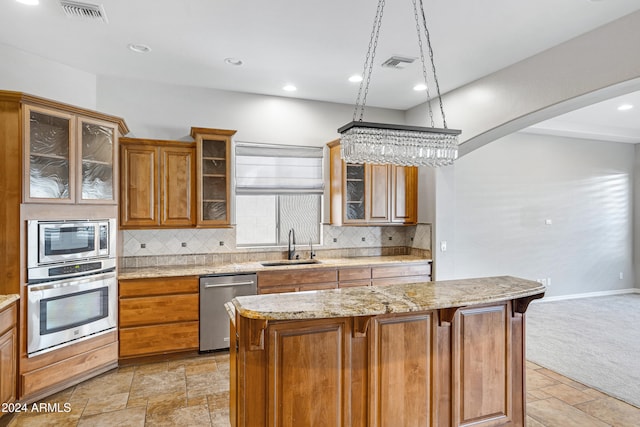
(197, 246)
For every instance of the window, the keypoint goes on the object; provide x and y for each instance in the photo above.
(278, 188)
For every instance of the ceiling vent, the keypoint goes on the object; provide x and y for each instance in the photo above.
(398, 62)
(85, 11)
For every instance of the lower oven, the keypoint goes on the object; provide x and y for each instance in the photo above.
(66, 311)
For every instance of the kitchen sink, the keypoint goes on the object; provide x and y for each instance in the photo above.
(289, 262)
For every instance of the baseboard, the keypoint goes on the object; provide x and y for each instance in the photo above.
(590, 294)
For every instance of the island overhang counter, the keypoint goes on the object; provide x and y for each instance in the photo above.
(447, 353)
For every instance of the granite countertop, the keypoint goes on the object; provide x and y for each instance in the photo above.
(255, 266)
(375, 300)
(6, 300)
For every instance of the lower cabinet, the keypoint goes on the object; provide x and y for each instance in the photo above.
(447, 367)
(295, 280)
(8, 354)
(310, 279)
(158, 316)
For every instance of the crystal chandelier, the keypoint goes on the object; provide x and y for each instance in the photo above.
(367, 142)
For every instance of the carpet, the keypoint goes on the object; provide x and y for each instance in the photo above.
(595, 341)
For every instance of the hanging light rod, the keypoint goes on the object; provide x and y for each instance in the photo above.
(368, 142)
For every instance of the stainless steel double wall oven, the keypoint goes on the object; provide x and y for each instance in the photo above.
(71, 282)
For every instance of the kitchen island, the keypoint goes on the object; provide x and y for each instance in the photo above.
(447, 353)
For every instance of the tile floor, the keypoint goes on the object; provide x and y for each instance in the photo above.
(194, 392)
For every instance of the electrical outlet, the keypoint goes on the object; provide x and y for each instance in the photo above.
(548, 282)
(621, 276)
(443, 246)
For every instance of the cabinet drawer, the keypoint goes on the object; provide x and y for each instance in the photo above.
(318, 286)
(400, 270)
(355, 283)
(158, 286)
(158, 309)
(167, 338)
(401, 280)
(8, 318)
(296, 277)
(349, 274)
(277, 289)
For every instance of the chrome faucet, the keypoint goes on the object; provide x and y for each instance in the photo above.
(312, 254)
(292, 241)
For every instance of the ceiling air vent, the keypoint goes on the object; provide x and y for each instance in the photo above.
(86, 11)
(398, 62)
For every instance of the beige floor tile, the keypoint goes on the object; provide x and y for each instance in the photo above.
(538, 394)
(533, 423)
(131, 417)
(112, 382)
(531, 365)
(40, 416)
(218, 401)
(562, 379)
(556, 413)
(107, 403)
(205, 384)
(536, 380)
(567, 394)
(188, 416)
(151, 368)
(612, 411)
(149, 383)
(166, 402)
(220, 419)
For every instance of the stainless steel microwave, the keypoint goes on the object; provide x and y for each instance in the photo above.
(69, 247)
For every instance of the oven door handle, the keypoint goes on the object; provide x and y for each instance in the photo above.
(71, 282)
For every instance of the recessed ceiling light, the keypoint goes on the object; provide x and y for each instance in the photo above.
(233, 61)
(289, 88)
(420, 86)
(29, 2)
(356, 78)
(625, 107)
(140, 48)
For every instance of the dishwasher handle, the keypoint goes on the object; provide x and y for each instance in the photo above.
(219, 285)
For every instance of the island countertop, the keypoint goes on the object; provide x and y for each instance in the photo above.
(376, 300)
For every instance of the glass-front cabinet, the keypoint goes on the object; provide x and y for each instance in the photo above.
(68, 158)
(97, 145)
(213, 147)
(49, 156)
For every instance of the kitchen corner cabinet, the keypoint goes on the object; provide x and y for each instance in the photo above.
(157, 186)
(213, 176)
(69, 157)
(371, 194)
(8, 353)
(158, 316)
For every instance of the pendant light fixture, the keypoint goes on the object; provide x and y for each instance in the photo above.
(367, 142)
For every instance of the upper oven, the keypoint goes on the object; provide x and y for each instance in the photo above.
(68, 248)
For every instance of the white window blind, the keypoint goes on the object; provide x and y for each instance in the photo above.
(263, 168)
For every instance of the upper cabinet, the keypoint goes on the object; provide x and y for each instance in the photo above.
(371, 194)
(69, 154)
(213, 181)
(157, 187)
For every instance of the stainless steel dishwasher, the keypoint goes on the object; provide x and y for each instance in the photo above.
(215, 291)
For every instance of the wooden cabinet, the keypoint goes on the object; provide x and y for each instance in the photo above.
(354, 276)
(8, 353)
(213, 181)
(158, 316)
(157, 183)
(308, 279)
(371, 194)
(69, 158)
(400, 273)
(444, 367)
(296, 280)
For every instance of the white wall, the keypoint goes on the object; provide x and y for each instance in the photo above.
(24, 72)
(154, 110)
(505, 191)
